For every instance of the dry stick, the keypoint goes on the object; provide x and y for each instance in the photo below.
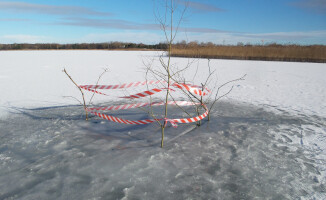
(193, 79)
(73, 98)
(185, 68)
(191, 96)
(197, 107)
(177, 73)
(172, 78)
(183, 91)
(85, 107)
(204, 86)
(216, 99)
(98, 80)
(150, 112)
(217, 92)
(206, 83)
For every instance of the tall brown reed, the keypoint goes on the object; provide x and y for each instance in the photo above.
(314, 53)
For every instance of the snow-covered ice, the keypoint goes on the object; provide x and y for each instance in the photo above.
(35, 78)
(266, 140)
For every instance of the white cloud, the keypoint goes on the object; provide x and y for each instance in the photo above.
(309, 37)
(107, 23)
(202, 7)
(136, 37)
(315, 6)
(314, 37)
(292, 37)
(296, 35)
(124, 25)
(16, 6)
(9, 39)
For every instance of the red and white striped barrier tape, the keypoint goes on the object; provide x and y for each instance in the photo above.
(137, 105)
(134, 96)
(146, 93)
(122, 86)
(187, 120)
(122, 121)
(195, 89)
(192, 119)
(148, 121)
(191, 88)
(94, 91)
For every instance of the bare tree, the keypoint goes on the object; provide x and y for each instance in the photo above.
(166, 22)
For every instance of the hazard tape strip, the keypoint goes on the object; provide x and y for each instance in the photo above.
(137, 105)
(122, 86)
(94, 88)
(148, 121)
(94, 91)
(134, 96)
(143, 94)
(193, 119)
(199, 87)
(120, 120)
(146, 93)
(191, 88)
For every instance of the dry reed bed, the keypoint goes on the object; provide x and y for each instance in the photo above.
(314, 53)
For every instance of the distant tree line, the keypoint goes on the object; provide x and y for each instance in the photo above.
(128, 45)
(109, 45)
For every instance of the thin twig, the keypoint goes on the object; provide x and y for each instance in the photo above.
(98, 80)
(85, 107)
(73, 98)
(218, 89)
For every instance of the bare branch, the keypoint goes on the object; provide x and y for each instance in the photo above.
(181, 18)
(85, 107)
(99, 78)
(73, 98)
(218, 89)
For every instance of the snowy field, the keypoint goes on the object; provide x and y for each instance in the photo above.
(266, 140)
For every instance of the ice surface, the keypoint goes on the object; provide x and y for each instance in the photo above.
(267, 140)
(244, 152)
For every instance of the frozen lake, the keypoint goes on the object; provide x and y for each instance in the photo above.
(267, 140)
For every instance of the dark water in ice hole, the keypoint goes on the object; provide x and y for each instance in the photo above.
(244, 152)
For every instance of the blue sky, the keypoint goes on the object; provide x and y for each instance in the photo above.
(218, 21)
